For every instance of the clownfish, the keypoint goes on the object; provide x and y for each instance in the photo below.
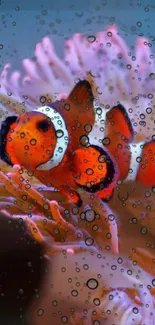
(53, 142)
(136, 161)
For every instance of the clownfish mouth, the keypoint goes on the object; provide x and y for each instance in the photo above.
(5, 128)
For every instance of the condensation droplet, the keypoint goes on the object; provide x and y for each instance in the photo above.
(40, 312)
(91, 38)
(92, 284)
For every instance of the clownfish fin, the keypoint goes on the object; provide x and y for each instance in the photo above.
(81, 93)
(94, 171)
(146, 170)
(78, 112)
(118, 135)
(6, 152)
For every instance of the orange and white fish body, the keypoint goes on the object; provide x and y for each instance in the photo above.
(53, 143)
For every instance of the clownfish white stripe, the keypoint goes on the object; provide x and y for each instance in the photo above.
(97, 133)
(62, 140)
(136, 151)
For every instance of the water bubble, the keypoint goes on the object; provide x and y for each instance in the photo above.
(149, 110)
(106, 141)
(89, 241)
(20, 221)
(119, 260)
(152, 76)
(64, 319)
(111, 297)
(22, 134)
(85, 266)
(33, 142)
(60, 149)
(134, 220)
(1, 46)
(24, 197)
(96, 301)
(147, 194)
(89, 171)
(54, 303)
(96, 322)
(144, 230)
(28, 186)
(98, 111)
(91, 39)
(114, 267)
(40, 312)
(142, 116)
(90, 215)
(135, 310)
(129, 272)
(92, 284)
(153, 188)
(111, 217)
(21, 291)
(67, 107)
(129, 66)
(88, 128)
(95, 227)
(139, 23)
(74, 293)
(150, 96)
(102, 159)
(108, 235)
(59, 133)
(108, 44)
(46, 206)
(109, 34)
(75, 210)
(42, 99)
(84, 140)
(138, 159)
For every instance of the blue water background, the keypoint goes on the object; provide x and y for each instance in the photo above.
(24, 23)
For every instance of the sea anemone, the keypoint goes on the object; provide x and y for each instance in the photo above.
(116, 76)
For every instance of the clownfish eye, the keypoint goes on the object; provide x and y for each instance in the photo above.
(43, 126)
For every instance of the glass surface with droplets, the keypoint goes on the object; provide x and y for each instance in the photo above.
(112, 46)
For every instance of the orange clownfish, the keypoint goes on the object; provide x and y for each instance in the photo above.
(52, 142)
(136, 162)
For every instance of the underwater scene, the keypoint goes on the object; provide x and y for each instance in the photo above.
(77, 163)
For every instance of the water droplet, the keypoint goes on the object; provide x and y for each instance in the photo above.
(59, 134)
(74, 293)
(33, 142)
(90, 215)
(40, 312)
(91, 38)
(139, 23)
(92, 284)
